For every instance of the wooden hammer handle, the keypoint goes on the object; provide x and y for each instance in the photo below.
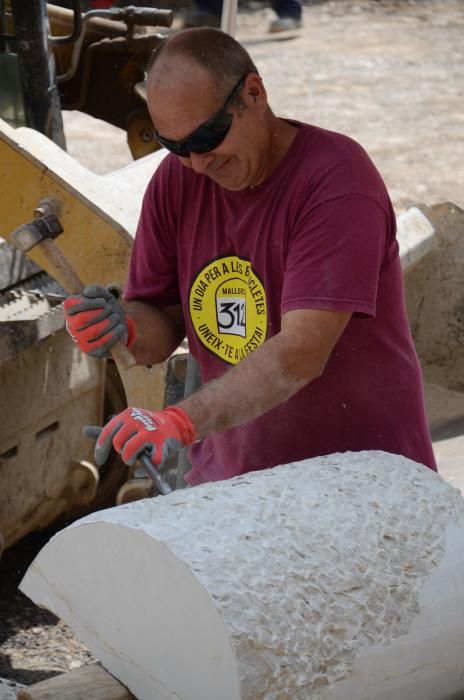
(73, 284)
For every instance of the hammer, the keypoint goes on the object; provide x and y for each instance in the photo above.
(41, 232)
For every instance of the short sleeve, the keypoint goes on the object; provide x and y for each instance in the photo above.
(335, 255)
(153, 275)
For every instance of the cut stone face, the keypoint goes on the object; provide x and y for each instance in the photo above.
(333, 578)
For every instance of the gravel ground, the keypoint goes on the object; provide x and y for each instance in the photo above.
(390, 73)
(8, 689)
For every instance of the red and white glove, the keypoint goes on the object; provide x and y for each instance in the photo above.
(137, 430)
(95, 320)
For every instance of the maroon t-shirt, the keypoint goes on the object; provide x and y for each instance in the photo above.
(318, 234)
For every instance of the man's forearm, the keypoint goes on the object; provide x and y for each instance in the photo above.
(269, 376)
(158, 333)
(261, 381)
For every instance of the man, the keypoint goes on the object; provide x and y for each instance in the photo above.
(271, 243)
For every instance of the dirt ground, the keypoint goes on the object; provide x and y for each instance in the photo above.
(390, 73)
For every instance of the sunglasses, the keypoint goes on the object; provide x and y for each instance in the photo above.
(209, 135)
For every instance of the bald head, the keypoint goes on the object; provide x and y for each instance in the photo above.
(205, 50)
(209, 107)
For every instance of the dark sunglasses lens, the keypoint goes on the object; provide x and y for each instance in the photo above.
(176, 147)
(206, 138)
(203, 143)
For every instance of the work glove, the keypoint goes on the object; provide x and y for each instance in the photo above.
(95, 320)
(136, 430)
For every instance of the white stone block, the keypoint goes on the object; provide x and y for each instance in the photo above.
(333, 578)
(416, 237)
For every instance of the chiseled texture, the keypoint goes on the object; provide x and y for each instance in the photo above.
(310, 562)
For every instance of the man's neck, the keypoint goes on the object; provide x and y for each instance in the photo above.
(281, 136)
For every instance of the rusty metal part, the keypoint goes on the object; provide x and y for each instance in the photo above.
(144, 16)
(95, 28)
(76, 27)
(118, 65)
(41, 232)
(141, 16)
(83, 482)
(99, 76)
(134, 490)
(29, 235)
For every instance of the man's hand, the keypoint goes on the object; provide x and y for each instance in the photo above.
(137, 430)
(96, 321)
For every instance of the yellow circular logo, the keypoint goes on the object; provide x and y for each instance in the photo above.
(228, 308)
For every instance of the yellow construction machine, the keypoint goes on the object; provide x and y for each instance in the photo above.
(69, 227)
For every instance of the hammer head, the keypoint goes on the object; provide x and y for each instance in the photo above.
(29, 235)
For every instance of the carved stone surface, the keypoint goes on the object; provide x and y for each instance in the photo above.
(298, 582)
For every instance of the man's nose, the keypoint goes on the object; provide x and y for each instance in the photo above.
(201, 161)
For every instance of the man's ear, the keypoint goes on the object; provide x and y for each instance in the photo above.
(255, 88)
